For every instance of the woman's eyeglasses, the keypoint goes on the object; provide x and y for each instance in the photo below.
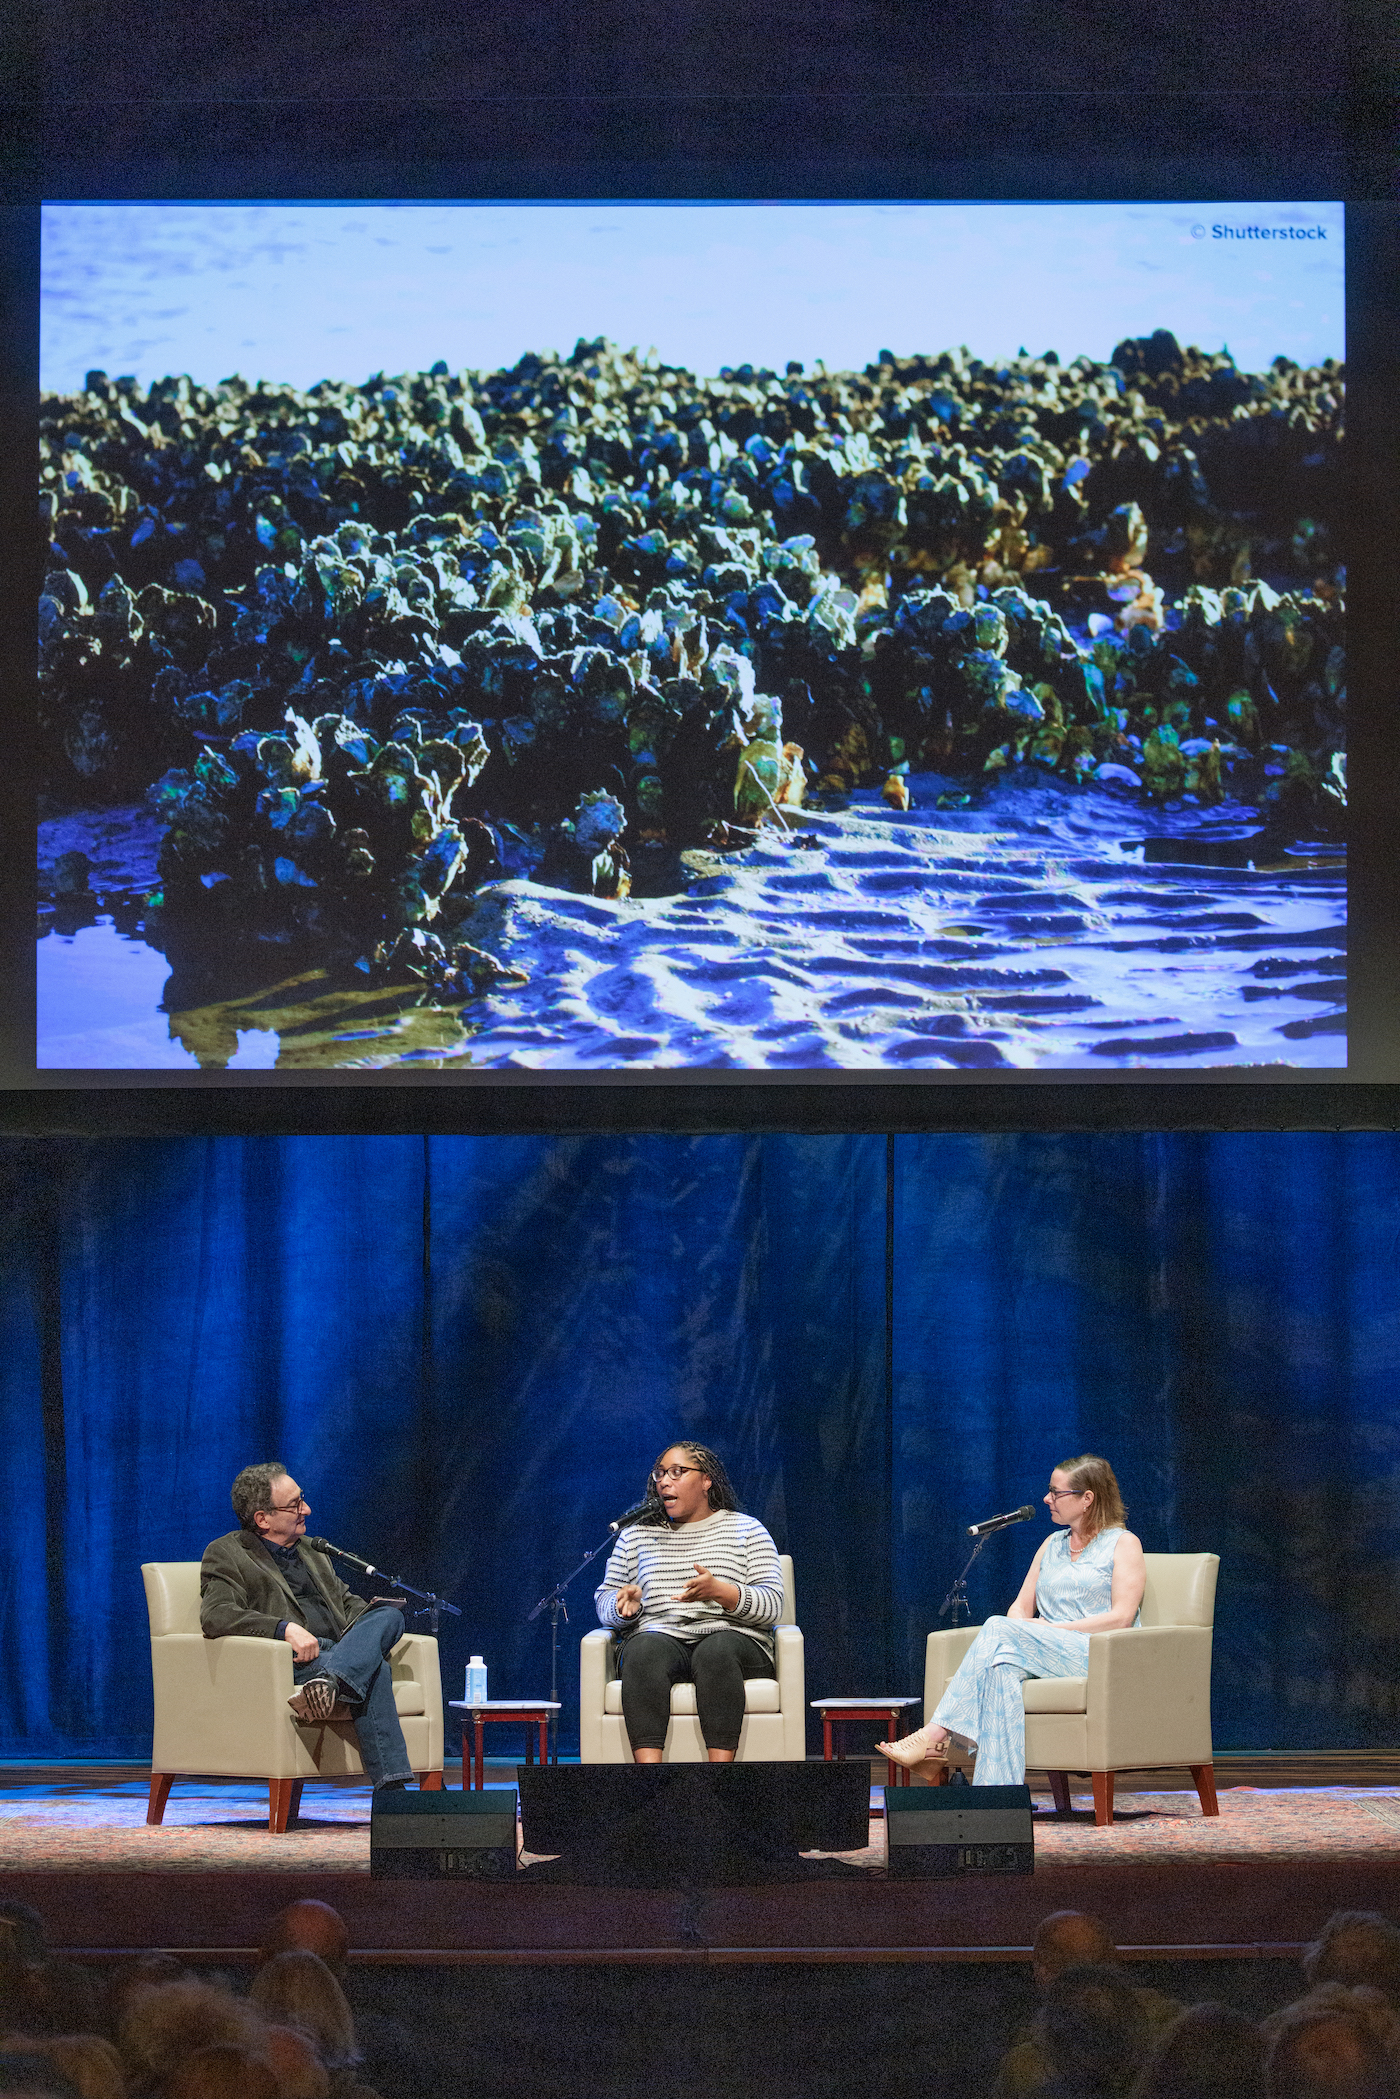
(672, 1472)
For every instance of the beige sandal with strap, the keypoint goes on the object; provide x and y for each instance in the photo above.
(916, 1749)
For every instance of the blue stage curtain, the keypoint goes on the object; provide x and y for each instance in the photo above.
(1218, 1316)
(594, 1298)
(468, 1350)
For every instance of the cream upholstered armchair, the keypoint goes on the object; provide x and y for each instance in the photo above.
(221, 1705)
(774, 1729)
(1144, 1703)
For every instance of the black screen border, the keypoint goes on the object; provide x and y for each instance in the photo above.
(1066, 145)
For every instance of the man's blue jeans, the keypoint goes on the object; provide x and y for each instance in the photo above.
(359, 1662)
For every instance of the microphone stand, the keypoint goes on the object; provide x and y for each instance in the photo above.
(433, 1605)
(956, 1599)
(554, 1603)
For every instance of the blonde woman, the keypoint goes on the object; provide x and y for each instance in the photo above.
(1087, 1577)
(298, 1989)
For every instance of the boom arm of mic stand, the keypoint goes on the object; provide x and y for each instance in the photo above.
(434, 1605)
(956, 1599)
(554, 1604)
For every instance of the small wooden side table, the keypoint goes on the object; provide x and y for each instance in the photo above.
(519, 1712)
(836, 1711)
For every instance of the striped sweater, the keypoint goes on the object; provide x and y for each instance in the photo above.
(733, 1547)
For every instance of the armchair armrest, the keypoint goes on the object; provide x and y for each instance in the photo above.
(417, 1657)
(790, 1663)
(221, 1705)
(597, 1662)
(942, 1654)
(1149, 1697)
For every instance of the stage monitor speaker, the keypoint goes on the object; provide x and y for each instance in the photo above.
(946, 1832)
(443, 1836)
(692, 1825)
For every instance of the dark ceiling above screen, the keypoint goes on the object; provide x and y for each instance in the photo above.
(907, 707)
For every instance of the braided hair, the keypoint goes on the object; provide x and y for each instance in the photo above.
(721, 1496)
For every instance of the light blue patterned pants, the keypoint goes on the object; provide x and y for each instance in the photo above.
(982, 1704)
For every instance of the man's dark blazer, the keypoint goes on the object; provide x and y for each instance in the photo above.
(242, 1590)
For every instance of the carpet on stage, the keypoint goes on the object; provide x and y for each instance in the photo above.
(99, 1827)
(85, 1825)
(789, 1992)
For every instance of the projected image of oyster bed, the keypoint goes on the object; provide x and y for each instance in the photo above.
(945, 711)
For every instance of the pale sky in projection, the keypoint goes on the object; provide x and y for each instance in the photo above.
(301, 292)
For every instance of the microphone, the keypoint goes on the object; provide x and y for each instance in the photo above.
(325, 1545)
(1000, 1523)
(643, 1508)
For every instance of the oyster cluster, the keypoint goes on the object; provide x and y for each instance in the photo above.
(347, 638)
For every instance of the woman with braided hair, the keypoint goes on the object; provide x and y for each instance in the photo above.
(693, 1588)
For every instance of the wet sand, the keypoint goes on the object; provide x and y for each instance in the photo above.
(1034, 931)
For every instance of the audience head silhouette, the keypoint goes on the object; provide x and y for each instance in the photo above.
(1356, 1946)
(298, 1989)
(1070, 1939)
(1335, 2043)
(1208, 2052)
(222, 2071)
(308, 1927)
(1094, 2032)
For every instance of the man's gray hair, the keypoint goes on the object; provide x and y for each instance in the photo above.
(252, 1490)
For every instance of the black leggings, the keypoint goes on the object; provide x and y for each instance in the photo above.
(716, 1664)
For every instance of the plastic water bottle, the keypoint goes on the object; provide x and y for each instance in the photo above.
(475, 1693)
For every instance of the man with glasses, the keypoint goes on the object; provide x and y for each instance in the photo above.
(264, 1582)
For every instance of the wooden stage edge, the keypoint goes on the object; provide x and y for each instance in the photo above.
(1265, 1768)
(694, 1956)
(1255, 1909)
(1261, 1907)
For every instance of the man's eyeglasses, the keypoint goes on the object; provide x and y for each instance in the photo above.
(290, 1508)
(672, 1472)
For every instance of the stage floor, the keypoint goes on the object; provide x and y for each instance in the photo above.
(1259, 1879)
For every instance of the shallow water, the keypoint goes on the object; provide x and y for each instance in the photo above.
(292, 292)
(1047, 928)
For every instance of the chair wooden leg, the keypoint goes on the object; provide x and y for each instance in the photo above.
(283, 1800)
(161, 1782)
(1059, 1791)
(430, 1782)
(1103, 1797)
(1203, 1778)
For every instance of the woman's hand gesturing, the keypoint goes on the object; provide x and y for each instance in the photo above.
(705, 1587)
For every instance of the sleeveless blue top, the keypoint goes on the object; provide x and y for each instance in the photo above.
(1067, 1589)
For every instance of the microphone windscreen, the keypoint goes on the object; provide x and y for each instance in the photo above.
(643, 1508)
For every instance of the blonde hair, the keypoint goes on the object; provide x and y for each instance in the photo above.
(299, 2071)
(92, 2066)
(167, 2022)
(298, 1989)
(1091, 1475)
